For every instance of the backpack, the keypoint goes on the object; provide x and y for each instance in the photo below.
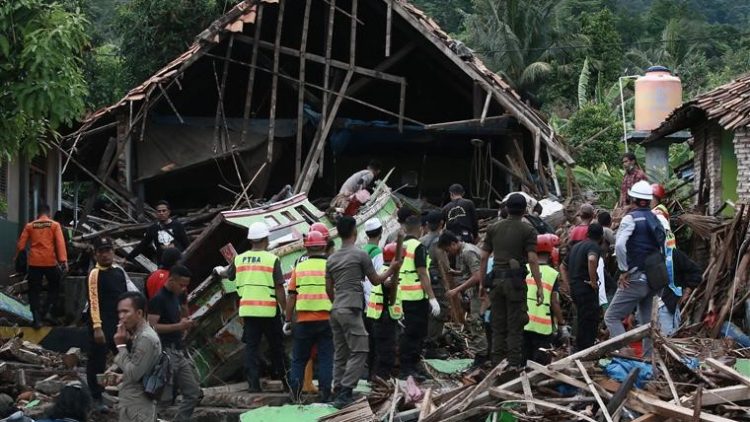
(158, 378)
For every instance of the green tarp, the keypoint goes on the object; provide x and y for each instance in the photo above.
(450, 366)
(288, 412)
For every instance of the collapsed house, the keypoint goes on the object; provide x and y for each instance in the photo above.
(290, 93)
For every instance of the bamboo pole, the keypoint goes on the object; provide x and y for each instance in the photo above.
(301, 91)
(275, 81)
(251, 75)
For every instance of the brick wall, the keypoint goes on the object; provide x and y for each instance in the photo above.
(708, 137)
(742, 152)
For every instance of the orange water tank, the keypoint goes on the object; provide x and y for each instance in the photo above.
(657, 93)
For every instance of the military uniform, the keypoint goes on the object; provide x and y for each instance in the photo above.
(468, 262)
(509, 240)
(144, 352)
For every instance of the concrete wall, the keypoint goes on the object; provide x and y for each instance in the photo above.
(742, 152)
(19, 212)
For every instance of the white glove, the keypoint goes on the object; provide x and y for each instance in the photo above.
(435, 307)
(287, 329)
(565, 332)
(220, 271)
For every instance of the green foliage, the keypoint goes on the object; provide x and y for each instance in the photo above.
(605, 47)
(107, 76)
(42, 85)
(600, 182)
(448, 13)
(595, 136)
(153, 32)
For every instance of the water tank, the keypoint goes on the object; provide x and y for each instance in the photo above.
(657, 93)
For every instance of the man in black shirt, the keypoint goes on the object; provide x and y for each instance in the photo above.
(166, 314)
(106, 282)
(165, 233)
(579, 272)
(461, 215)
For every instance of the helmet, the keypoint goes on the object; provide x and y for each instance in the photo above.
(546, 242)
(658, 191)
(641, 190)
(320, 228)
(258, 231)
(389, 252)
(314, 238)
(555, 255)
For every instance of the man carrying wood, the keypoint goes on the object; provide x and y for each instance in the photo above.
(346, 270)
(468, 260)
(513, 244)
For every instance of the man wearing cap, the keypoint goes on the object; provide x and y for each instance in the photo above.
(460, 215)
(260, 285)
(579, 272)
(106, 282)
(513, 244)
(440, 279)
(468, 260)
(639, 236)
(308, 297)
(346, 269)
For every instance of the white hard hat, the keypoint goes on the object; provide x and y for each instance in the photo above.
(372, 224)
(641, 190)
(258, 231)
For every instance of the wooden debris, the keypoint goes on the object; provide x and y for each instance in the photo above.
(359, 411)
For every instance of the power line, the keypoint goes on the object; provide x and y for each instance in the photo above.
(575, 47)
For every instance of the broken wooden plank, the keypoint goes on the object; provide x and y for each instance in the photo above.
(698, 404)
(724, 369)
(721, 395)
(667, 376)
(530, 406)
(672, 410)
(591, 386)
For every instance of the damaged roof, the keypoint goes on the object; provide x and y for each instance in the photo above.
(245, 13)
(728, 105)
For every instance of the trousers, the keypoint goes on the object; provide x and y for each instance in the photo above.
(509, 316)
(351, 345)
(586, 301)
(35, 276)
(415, 329)
(638, 295)
(254, 329)
(384, 336)
(184, 379)
(97, 358)
(533, 342)
(306, 335)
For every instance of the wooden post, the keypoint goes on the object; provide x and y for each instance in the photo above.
(251, 76)
(275, 81)
(388, 24)
(220, 103)
(301, 92)
(401, 107)
(486, 108)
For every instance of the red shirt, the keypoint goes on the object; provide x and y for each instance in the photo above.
(156, 281)
(579, 233)
(628, 181)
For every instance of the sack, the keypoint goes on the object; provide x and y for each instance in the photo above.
(158, 378)
(21, 264)
(656, 270)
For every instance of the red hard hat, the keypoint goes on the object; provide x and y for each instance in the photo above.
(315, 238)
(389, 252)
(320, 228)
(658, 190)
(546, 242)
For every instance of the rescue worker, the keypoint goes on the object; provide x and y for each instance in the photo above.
(385, 319)
(545, 318)
(441, 280)
(418, 301)
(260, 285)
(640, 234)
(513, 244)
(346, 270)
(308, 297)
(460, 215)
(135, 361)
(374, 231)
(46, 255)
(579, 273)
(669, 309)
(468, 260)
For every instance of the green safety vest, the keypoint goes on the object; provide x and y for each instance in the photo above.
(254, 281)
(410, 287)
(311, 285)
(375, 306)
(540, 317)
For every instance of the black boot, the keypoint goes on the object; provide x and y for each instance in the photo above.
(324, 396)
(344, 398)
(37, 323)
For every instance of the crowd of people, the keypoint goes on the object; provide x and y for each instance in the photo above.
(361, 312)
